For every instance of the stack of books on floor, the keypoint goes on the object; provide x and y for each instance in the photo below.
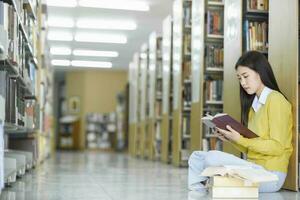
(236, 182)
(230, 187)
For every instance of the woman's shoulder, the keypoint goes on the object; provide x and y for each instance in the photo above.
(277, 98)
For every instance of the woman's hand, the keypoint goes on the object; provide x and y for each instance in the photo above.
(229, 134)
(220, 135)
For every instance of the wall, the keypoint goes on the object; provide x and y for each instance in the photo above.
(97, 91)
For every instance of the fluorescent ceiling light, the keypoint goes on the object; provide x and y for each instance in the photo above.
(60, 36)
(60, 51)
(61, 22)
(79, 52)
(82, 63)
(106, 24)
(101, 38)
(115, 4)
(64, 3)
(61, 62)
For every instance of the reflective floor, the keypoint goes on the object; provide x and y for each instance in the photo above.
(108, 176)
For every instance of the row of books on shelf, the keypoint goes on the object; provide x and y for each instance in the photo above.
(157, 141)
(186, 128)
(121, 125)
(96, 141)
(17, 31)
(256, 35)
(187, 44)
(258, 5)
(159, 48)
(187, 92)
(186, 70)
(213, 90)
(159, 69)
(100, 128)
(187, 14)
(158, 87)
(15, 55)
(158, 109)
(211, 143)
(15, 108)
(215, 21)
(214, 54)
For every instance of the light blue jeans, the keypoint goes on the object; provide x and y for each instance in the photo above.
(199, 160)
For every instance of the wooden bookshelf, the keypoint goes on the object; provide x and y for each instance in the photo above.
(285, 66)
(69, 135)
(182, 14)
(166, 128)
(154, 97)
(141, 142)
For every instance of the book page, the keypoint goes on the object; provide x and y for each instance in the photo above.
(211, 171)
(256, 175)
(208, 122)
(220, 114)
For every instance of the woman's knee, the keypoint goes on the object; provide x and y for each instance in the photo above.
(212, 158)
(196, 157)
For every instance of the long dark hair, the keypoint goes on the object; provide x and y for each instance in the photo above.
(259, 63)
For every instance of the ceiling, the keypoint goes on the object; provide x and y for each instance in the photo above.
(146, 23)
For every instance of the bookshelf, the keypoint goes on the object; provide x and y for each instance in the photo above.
(69, 128)
(154, 97)
(121, 137)
(26, 79)
(167, 93)
(207, 68)
(284, 65)
(181, 81)
(100, 130)
(141, 142)
(146, 136)
(133, 103)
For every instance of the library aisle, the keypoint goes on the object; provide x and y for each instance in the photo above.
(108, 176)
(106, 99)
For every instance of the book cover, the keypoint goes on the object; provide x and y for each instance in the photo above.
(222, 119)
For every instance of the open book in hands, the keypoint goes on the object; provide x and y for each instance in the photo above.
(222, 119)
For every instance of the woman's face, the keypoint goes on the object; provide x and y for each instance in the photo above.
(249, 80)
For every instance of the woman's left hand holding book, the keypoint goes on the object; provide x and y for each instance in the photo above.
(227, 135)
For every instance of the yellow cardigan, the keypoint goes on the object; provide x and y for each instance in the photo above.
(273, 124)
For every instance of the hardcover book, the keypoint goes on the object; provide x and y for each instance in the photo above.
(222, 119)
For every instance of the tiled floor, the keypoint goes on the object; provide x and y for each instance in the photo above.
(107, 176)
